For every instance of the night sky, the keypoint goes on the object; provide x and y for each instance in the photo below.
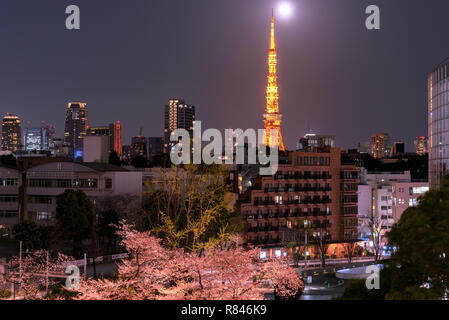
(131, 56)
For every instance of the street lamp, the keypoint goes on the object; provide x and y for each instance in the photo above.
(306, 224)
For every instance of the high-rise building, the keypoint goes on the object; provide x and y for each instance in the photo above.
(36, 139)
(97, 131)
(155, 146)
(115, 140)
(178, 115)
(11, 133)
(139, 147)
(76, 124)
(398, 148)
(438, 122)
(380, 145)
(113, 131)
(311, 142)
(272, 117)
(420, 145)
(96, 148)
(364, 147)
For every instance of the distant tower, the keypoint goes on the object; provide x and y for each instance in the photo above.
(272, 117)
(76, 124)
(11, 133)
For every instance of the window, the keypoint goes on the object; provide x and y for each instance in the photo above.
(8, 213)
(9, 198)
(43, 216)
(108, 183)
(88, 183)
(6, 182)
(39, 183)
(41, 199)
(63, 183)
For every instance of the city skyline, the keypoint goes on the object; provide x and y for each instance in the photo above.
(221, 68)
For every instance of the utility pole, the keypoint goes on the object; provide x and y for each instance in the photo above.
(46, 276)
(85, 266)
(20, 259)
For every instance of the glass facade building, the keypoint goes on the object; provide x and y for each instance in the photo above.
(438, 123)
(36, 139)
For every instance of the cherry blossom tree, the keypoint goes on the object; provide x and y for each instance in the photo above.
(30, 272)
(225, 271)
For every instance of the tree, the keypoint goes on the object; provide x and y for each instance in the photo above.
(75, 218)
(376, 224)
(139, 162)
(320, 235)
(161, 160)
(32, 235)
(107, 221)
(191, 208)
(225, 271)
(114, 158)
(349, 248)
(421, 238)
(29, 273)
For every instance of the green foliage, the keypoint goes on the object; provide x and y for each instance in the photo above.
(58, 291)
(422, 240)
(192, 208)
(161, 161)
(139, 162)
(33, 236)
(75, 217)
(5, 293)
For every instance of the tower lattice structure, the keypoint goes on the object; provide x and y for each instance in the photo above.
(272, 117)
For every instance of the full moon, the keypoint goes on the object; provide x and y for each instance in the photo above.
(285, 9)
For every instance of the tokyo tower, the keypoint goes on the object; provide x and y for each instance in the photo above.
(272, 117)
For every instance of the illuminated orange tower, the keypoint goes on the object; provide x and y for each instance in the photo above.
(272, 117)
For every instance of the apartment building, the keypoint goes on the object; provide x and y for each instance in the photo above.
(405, 195)
(312, 187)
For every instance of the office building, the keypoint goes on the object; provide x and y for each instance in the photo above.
(155, 146)
(380, 145)
(398, 149)
(139, 147)
(311, 142)
(96, 148)
(36, 139)
(438, 123)
(76, 124)
(115, 137)
(405, 195)
(375, 193)
(178, 115)
(11, 133)
(420, 144)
